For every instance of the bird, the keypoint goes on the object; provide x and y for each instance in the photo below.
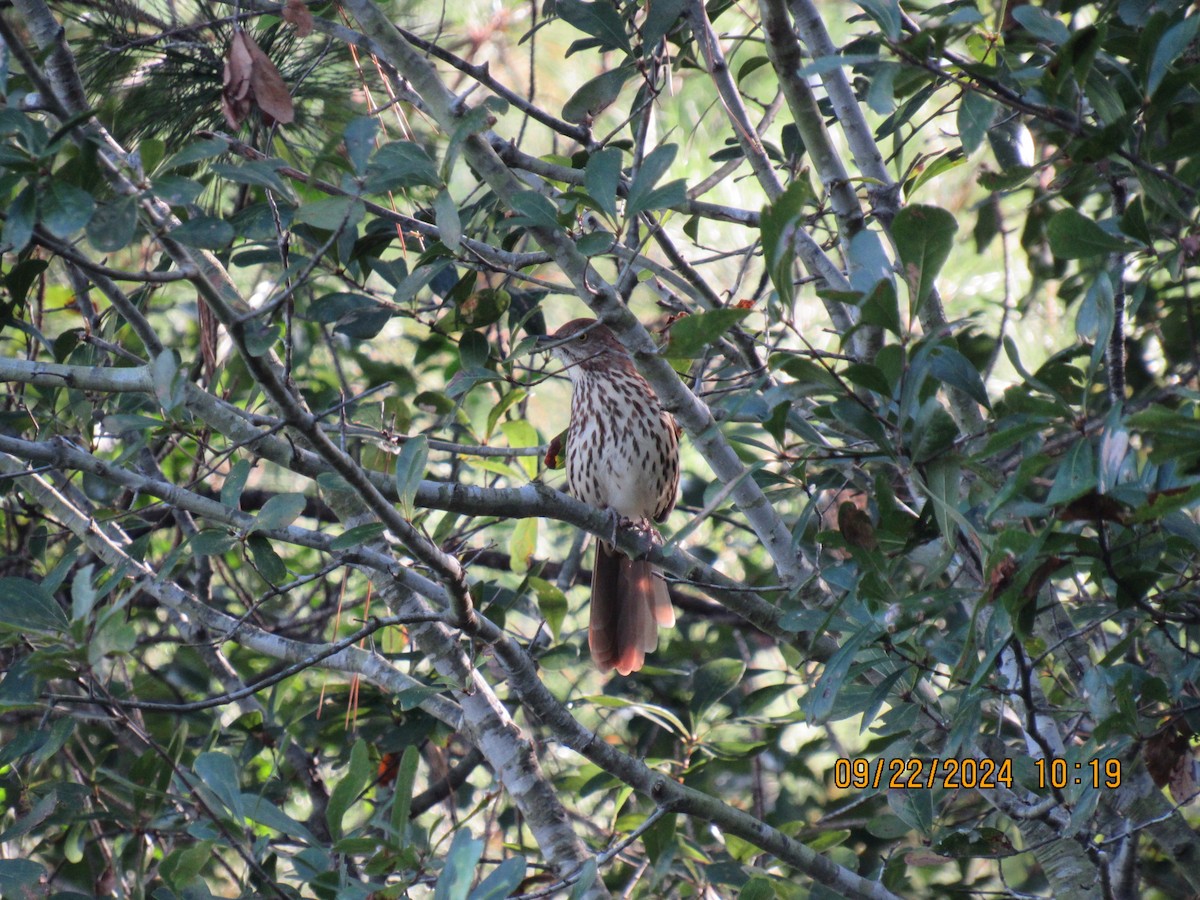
(622, 455)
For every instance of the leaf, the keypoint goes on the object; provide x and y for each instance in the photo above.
(653, 168)
(251, 79)
(402, 793)
(66, 208)
(661, 16)
(949, 366)
(22, 878)
(235, 483)
(205, 232)
(28, 606)
(259, 809)
(410, 469)
(21, 217)
(522, 544)
(712, 681)
(552, 604)
(83, 593)
(587, 877)
(278, 512)
(398, 165)
(601, 178)
(691, 334)
(211, 542)
(778, 225)
(595, 95)
(1176, 40)
(331, 213)
(455, 881)
(534, 210)
(219, 775)
(296, 13)
(975, 115)
(818, 702)
(266, 560)
(886, 13)
(599, 19)
(521, 435)
(503, 881)
(1041, 24)
(924, 237)
(357, 536)
(112, 225)
(449, 226)
(1076, 474)
(1073, 235)
(346, 791)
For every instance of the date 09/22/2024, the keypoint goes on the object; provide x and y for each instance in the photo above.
(982, 774)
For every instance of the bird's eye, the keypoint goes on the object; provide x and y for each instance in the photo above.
(583, 337)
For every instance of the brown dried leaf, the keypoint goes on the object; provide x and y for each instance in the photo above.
(297, 14)
(270, 90)
(236, 86)
(1167, 754)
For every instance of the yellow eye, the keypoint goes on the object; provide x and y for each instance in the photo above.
(583, 337)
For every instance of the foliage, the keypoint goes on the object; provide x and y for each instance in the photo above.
(290, 601)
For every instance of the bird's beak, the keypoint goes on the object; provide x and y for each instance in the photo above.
(543, 343)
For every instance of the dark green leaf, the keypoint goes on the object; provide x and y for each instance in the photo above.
(455, 881)
(886, 13)
(66, 209)
(653, 168)
(357, 536)
(113, 224)
(210, 542)
(535, 211)
(1076, 474)
(599, 19)
(712, 681)
(400, 164)
(975, 115)
(691, 334)
(818, 702)
(1073, 235)
(1041, 24)
(176, 190)
(346, 791)
(27, 606)
(278, 512)
(951, 367)
(219, 775)
(596, 94)
(924, 238)
(601, 178)
(779, 223)
(205, 232)
(410, 469)
(18, 227)
(661, 16)
(504, 880)
(1173, 44)
(552, 604)
(449, 225)
(331, 213)
(235, 483)
(406, 773)
(360, 140)
(266, 560)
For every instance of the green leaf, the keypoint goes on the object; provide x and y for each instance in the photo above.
(951, 367)
(552, 604)
(712, 681)
(449, 225)
(601, 178)
(661, 16)
(818, 702)
(112, 225)
(176, 190)
(410, 469)
(331, 213)
(211, 542)
(205, 232)
(27, 606)
(196, 152)
(496, 412)
(262, 173)
(600, 19)
(1073, 235)
(357, 536)
(778, 224)
(1041, 24)
(924, 237)
(1076, 474)
(522, 435)
(18, 227)
(219, 775)
(455, 881)
(595, 95)
(975, 115)
(398, 165)
(66, 209)
(534, 211)
(235, 483)
(346, 791)
(279, 511)
(587, 877)
(886, 13)
(21, 878)
(691, 334)
(360, 140)
(402, 793)
(83, 593)
(266, 560)
(263, 811)
(1173, 44)
(522, 544)
(503, 881)
(653, 168)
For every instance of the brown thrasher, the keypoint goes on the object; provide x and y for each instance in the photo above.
(623, 456)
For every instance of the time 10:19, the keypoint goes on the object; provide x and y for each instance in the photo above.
(1057, 773)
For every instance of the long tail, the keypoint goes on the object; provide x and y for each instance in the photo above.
(629, 602)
